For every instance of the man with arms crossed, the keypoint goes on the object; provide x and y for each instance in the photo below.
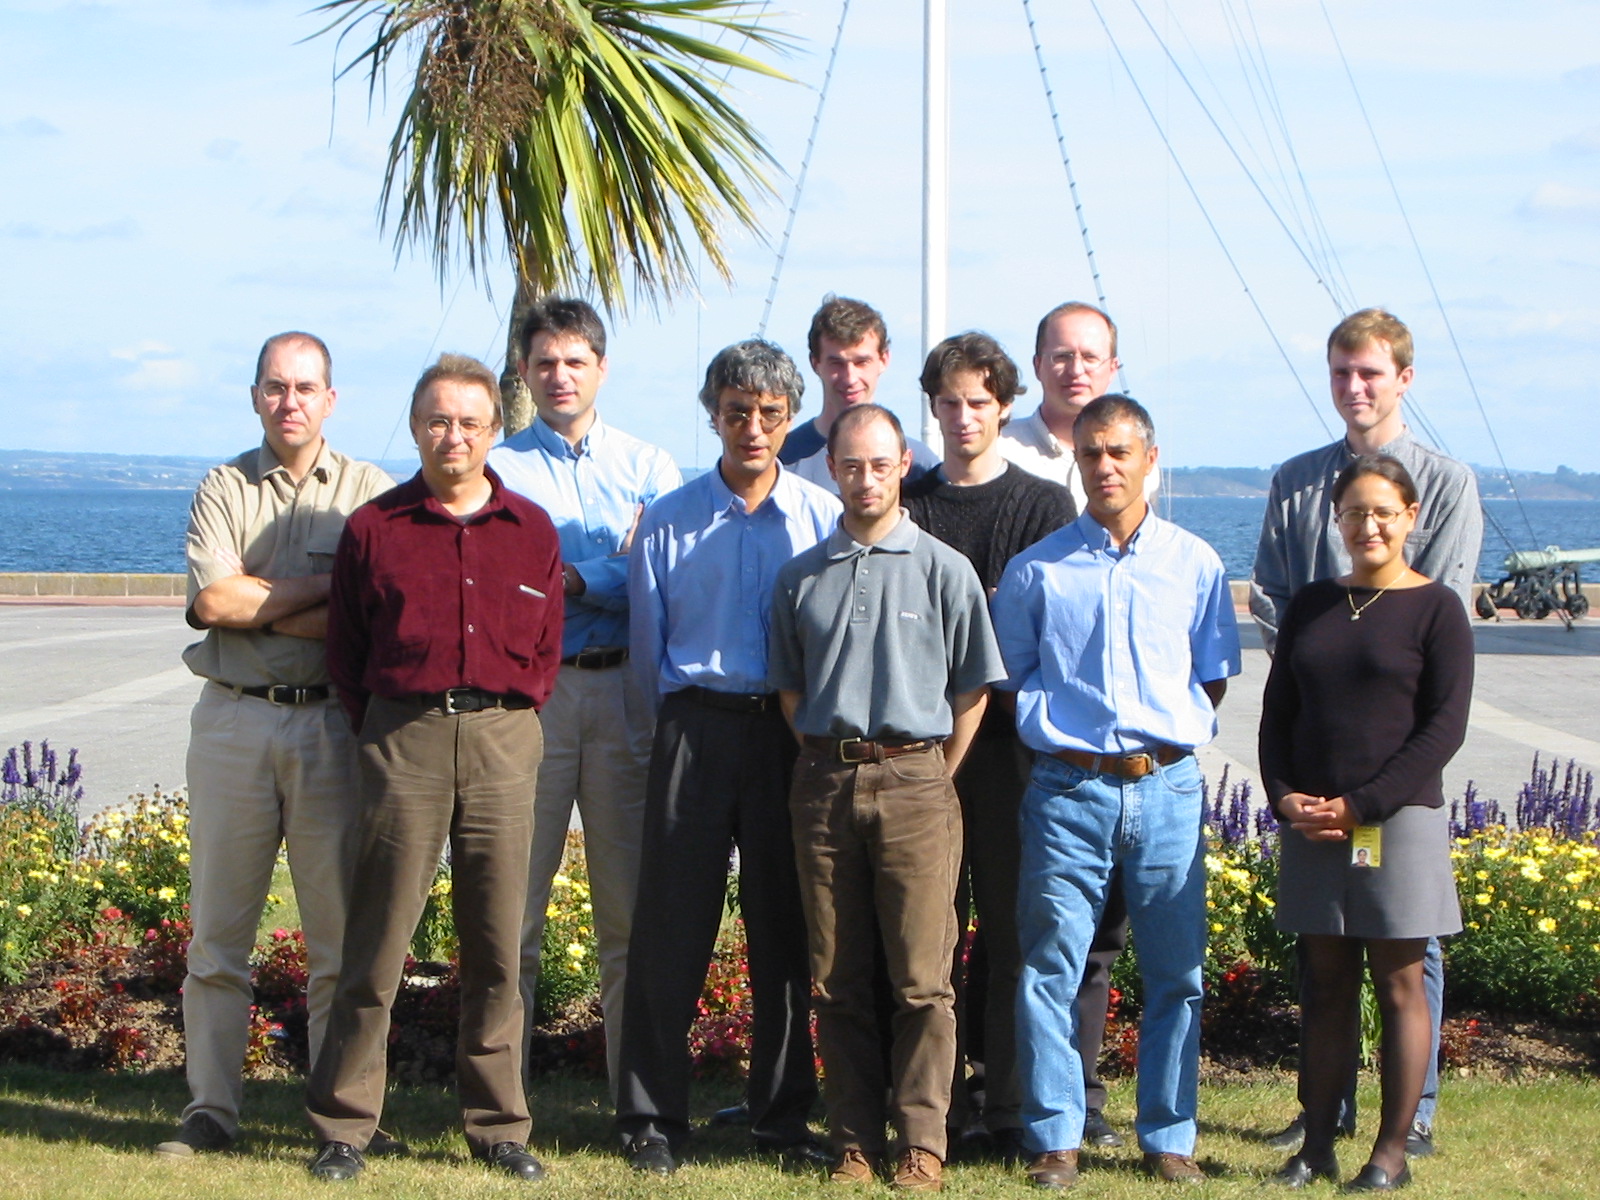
(1119, 636)
(593, 480)
(849, 346)
(700, 578)
(990, 510)
(444, 636)
(271, 759)
(1369, 370)
(1074, 359)
(881, 655)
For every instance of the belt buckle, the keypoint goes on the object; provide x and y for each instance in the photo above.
(845, 758)
(281, 693)
(449, 705)
(1133, 761)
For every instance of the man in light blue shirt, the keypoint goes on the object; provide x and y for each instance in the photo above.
(1119, 635)
(700, 580)
(594, 481)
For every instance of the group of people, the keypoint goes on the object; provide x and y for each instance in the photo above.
(902, 686)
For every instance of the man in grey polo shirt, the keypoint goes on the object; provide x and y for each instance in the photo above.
(865, 626)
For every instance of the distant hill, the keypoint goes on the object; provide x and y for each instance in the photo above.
(43, 469)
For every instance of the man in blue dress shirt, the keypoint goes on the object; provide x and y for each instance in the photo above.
(1118, 634)
(593, 480)
(700, 580)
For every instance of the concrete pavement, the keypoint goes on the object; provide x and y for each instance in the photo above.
(109, 680)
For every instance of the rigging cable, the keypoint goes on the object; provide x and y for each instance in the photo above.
(1215, 125)
(805, 166)
(1428, 275)
(1206, 215)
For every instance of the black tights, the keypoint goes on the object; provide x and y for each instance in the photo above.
(1331, 999)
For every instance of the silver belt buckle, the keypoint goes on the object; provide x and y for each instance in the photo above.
(845, 758)
(281, 693)
(1149, 764)
(450, 702)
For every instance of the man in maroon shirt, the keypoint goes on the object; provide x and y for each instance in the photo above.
(444, 638)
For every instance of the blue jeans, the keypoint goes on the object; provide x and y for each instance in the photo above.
(1075, 827)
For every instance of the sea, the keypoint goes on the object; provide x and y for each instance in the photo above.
(113, 530)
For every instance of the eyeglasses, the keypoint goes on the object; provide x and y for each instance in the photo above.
(739, 418)
(854, 468)
(1356, 518)
(1066, 358)
(471, 429)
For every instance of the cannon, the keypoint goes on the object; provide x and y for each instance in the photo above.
(1538, 583)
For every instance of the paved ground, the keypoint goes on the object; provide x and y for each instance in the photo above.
(109, 681)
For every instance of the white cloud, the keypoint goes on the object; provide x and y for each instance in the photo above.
(164, 374)
(1561, 201)
(1585, 141)
(30, 127)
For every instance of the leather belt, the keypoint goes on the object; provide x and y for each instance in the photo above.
(597, 658)
(285, 693)
(739, 702)
(469, 700)
(864, 750)
(1123, 766)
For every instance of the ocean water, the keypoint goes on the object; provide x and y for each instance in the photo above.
(142, 531)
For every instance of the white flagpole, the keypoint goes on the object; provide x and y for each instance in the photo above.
(935, 190)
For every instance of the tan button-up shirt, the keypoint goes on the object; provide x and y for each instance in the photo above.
(249, 510)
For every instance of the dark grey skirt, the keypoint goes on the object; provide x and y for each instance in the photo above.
(1411, 895)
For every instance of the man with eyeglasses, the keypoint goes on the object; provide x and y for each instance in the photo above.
(444, 639)
(881, 654)
(271, 761)
(594, 481)
(1370, 356)
(1074, 359)
(700, 578)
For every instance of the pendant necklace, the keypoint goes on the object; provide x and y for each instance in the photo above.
(1350, 595)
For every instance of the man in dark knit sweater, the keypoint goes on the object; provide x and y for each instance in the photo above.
(989, 510)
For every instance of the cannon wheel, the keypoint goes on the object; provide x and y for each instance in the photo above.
(1577, 605)
(1486, 606)
(1532, 608)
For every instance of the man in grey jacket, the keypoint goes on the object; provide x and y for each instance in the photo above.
(1369, 370)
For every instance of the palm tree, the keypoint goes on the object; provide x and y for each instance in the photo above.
(581, 136)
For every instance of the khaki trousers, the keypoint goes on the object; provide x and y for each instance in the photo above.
(428, 777)
(260, 775)
(597, 754)
(881, 841)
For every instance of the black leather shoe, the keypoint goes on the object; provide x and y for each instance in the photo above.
(736, 1114)
(1374, 1178)
(1290, 1136)
(802, 1153)
(337, 1161)
(386, 1145)
(1097, 1131)
(651, 1155)
(1300, 1171)
(199, 1134)
(1419, 1142)
(1007, 1147)
(513, 1158)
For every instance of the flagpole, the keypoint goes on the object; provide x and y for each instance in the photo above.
(935, 189)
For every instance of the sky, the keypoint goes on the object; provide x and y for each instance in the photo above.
(183, 178)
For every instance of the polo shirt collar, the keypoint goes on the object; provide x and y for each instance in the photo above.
(267, 462)
(902, 539)
(551, 442)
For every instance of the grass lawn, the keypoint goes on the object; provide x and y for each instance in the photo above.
(65, 1137)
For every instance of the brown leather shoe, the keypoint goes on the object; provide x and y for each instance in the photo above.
(1174, 1168)
(1057, 1169)
(855, 1166)
(919, 1170)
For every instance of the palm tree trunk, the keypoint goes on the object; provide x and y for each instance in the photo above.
(516, 402)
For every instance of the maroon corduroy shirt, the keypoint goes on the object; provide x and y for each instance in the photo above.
(423, 601)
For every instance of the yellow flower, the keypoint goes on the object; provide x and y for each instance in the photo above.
(1494, 853)
(1547, 925)
(1480, 875)
(1217, 927)
(576, 950)
(1586, 904)
(167, 893)
(24, 910)
(1483, 898)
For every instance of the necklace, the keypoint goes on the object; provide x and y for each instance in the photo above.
(1350, 595)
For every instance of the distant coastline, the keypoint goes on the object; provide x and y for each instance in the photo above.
(36, 470)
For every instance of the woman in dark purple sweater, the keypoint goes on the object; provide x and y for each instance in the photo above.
(1366, 702)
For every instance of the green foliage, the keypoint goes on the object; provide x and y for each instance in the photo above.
(583, 132)
(1531, 904)
(569, 966)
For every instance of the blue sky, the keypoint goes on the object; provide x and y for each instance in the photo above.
(183, 178)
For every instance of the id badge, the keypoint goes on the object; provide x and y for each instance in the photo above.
(1366, 846)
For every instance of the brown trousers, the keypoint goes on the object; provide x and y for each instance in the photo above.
(428, 777)
(884, 841)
